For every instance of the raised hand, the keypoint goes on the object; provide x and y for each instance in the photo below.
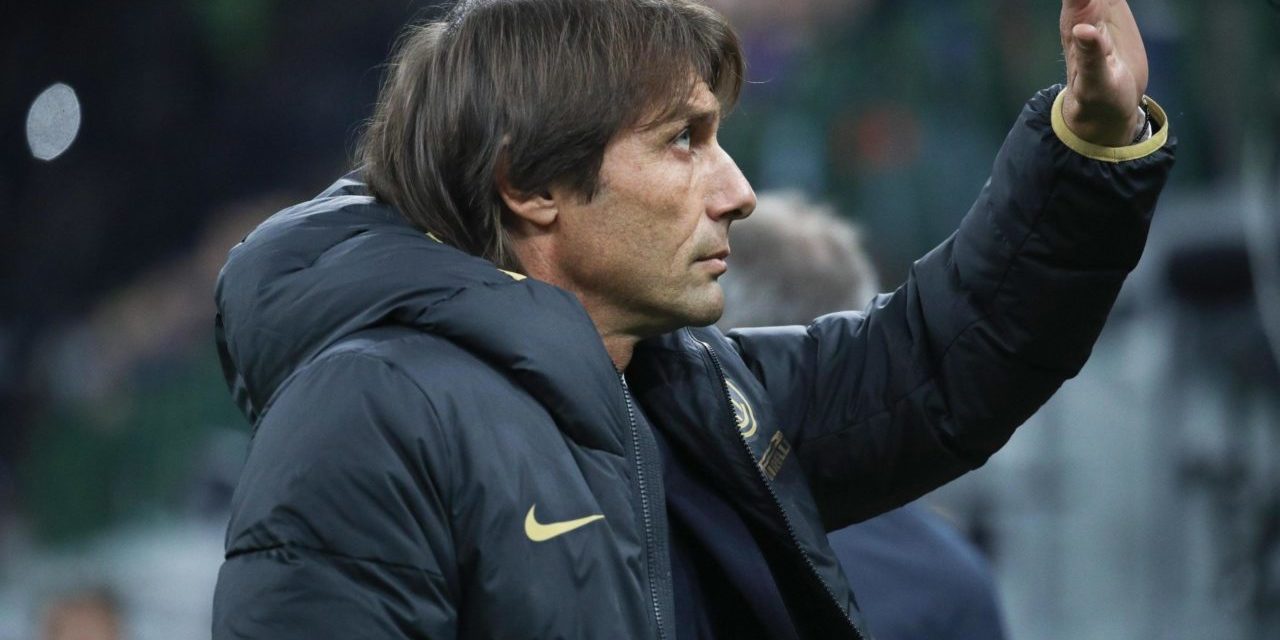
(1106, 70)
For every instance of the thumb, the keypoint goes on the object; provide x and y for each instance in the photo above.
(1090, 48)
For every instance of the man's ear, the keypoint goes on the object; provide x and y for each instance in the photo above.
(537, 207)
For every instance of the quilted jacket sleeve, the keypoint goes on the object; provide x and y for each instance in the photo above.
(338, 526)
(932, 379)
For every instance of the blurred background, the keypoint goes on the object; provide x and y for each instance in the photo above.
(139, 140)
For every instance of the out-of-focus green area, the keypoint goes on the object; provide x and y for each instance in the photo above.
(894, 110)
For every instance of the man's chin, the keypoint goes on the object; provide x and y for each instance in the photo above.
(708, 312)
(693, 311)
(706, 319)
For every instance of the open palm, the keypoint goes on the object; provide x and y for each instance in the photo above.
(1106, 70)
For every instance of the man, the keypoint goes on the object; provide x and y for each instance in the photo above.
(916, 577)
(472, 373)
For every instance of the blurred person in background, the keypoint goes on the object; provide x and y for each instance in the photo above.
(481, 405)
(91, 614)
(916, 576)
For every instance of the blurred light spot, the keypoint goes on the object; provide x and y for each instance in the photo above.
(53, 121)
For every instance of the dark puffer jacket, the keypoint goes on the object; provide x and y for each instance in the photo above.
(445, 450)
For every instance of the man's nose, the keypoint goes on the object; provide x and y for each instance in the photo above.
(731, 195)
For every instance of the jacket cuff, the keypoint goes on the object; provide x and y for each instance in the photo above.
(1113, 154)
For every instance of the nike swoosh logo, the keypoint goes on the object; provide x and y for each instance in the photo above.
(539, 532)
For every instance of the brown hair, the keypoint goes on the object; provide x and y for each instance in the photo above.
(535, 89)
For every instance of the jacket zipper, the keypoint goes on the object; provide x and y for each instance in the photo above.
(651, 544)
(777, 502)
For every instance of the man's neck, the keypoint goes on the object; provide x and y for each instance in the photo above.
(620, 348)
(538, 263)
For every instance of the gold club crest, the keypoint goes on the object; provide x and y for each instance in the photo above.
(743, 414)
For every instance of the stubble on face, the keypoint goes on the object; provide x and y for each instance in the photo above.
(644, 255)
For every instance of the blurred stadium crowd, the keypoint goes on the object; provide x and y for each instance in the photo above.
(1142, 502)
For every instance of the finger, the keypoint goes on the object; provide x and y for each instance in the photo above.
(1092, 40)
(1090, 47)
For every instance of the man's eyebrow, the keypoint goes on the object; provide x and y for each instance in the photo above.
(702, 113)
(687, 113)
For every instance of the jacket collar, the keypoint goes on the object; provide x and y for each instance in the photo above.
(688, 383)
(684, 393)
(314, 274)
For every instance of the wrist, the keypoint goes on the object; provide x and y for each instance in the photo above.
(1159, 137)
(1103, 125)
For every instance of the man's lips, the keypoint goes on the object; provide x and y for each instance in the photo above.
(716, 260)
(719, 255)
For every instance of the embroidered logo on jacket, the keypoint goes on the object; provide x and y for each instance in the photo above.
(743, 414)
(539, 532)
(775, 455)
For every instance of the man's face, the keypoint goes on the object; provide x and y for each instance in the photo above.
(645, 253)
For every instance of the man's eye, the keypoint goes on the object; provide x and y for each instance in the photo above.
(684, 139)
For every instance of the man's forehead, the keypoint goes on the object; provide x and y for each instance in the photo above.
(700, 103)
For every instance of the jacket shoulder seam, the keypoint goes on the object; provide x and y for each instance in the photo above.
(292, 546)
(362, 353)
